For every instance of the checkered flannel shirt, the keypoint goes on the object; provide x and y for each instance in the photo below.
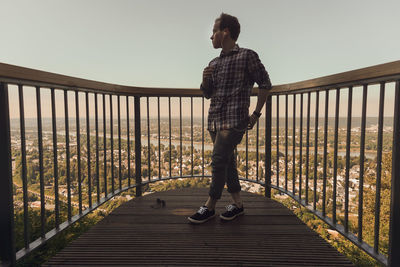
(231, 83)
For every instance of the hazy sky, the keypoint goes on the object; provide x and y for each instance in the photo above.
(167, 43)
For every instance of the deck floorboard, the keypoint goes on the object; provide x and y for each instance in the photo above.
(139, 234)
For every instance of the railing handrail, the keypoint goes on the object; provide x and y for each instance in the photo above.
(369, 73)
(49, 79)
(35, 76)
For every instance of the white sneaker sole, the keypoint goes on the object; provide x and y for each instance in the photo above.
(202, 221)
(230, 218)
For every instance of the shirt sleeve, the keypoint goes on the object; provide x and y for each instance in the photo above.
(257, 71)
(207, 92)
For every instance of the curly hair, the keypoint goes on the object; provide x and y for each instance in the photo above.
(230, 22)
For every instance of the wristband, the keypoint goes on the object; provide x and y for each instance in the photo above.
(258, 114)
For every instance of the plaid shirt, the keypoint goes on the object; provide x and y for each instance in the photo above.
(231, 83)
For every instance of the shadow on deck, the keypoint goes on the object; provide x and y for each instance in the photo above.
(135, 234)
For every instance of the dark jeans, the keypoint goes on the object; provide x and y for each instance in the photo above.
(223, 161)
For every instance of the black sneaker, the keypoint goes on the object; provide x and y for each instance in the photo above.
(232, 211)
(202, 215)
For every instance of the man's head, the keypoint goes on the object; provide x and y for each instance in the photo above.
(226, 28)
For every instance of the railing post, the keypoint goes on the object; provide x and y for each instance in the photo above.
(268, 123)
(7, 243)
(394, 233)
(138, 148)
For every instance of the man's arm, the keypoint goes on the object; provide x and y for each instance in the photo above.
(261, 98)
(206, 85)
(261, 77)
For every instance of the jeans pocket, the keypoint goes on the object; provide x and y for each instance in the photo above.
(240, 130)
(238, 137)
(242, 127)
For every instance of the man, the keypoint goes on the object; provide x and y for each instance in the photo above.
(228, 81)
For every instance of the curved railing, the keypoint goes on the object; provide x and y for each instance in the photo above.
(380, 79)
(106, 169)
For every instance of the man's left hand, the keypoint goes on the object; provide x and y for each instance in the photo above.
(252, 121)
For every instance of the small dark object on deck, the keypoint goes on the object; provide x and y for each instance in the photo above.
(160, 204)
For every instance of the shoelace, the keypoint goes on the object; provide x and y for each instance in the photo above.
(202, 210)
(230, 207)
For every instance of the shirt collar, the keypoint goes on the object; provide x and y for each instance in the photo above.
(233, 51)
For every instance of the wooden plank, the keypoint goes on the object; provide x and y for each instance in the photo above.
(135, 234)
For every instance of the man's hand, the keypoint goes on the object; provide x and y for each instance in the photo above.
(252, 121)
(207, 72)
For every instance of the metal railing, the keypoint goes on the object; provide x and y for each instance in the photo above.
(96, 94)
(337, 85)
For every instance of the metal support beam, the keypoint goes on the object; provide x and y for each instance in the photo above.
(138, 148)
(7, 242)
(268, 118)
(394, 233)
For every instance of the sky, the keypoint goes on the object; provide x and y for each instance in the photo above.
(158, 43)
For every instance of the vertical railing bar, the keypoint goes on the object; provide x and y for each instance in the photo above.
(112, 145)
(138, 148)
(286, 140)
(294, 147)
(335, 150)
(191, 132)
(67, 151)
(268, 133)
(180, 134)
(379, 167)
(247, 155)
(316, 149)
(41, 175)
(202, 133)
(257, 133)
(105, 145)
(348, 138)
(128, 137)
(7, 231)
(265, 150)
(170, 148)
(159, 139)
(394, 233)
(89, 173)
(308, 144)
(78, 150)
(119, 143)
(301, 145)
(23, 162)
(97, 147)
(362, 149)
(325, 153)
(236, 155)
(277, 141)
(56, 197)
(148, 139)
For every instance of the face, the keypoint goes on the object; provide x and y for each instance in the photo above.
(217, 35)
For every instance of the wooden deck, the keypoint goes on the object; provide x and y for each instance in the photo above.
(136, 234)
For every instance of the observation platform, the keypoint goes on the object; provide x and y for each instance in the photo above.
(139, 233)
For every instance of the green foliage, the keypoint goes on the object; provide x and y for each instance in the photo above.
(181, 183)
(59, 242)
